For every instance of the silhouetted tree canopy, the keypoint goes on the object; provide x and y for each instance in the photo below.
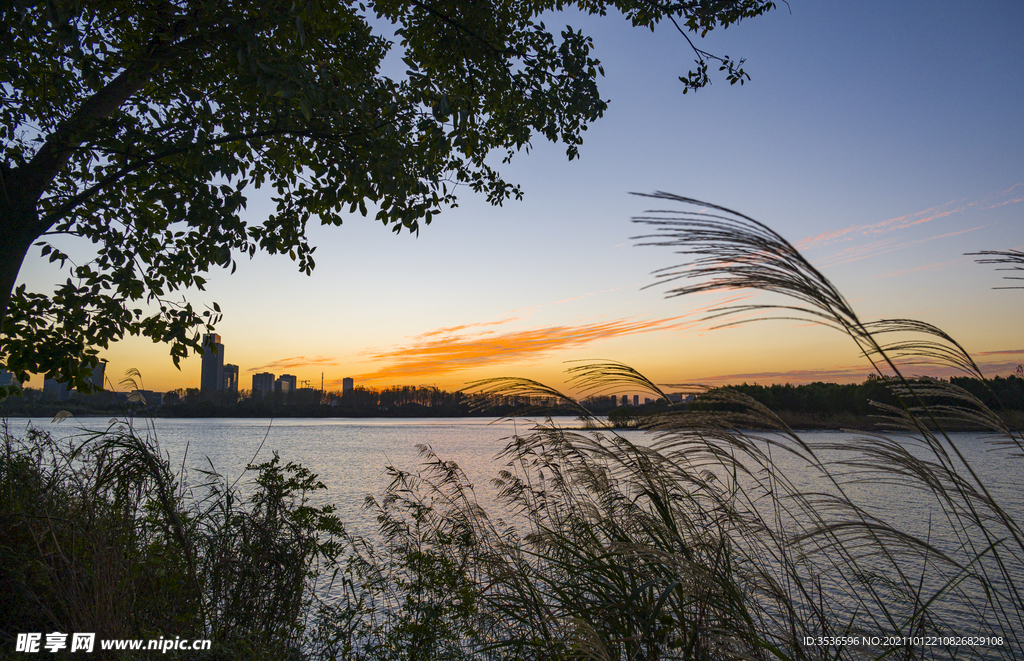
(142, 126)
(860, 399)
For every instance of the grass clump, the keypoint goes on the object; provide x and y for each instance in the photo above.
(104, 536)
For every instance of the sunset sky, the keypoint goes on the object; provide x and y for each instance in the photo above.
(885, 139)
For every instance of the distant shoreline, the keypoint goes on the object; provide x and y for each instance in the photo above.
(795, 421)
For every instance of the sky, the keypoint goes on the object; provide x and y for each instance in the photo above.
(884, 139)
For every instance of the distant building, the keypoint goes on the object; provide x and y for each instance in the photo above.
(212, 380)
(625, 400)
(98, 377)
(231, 378)
(285, 383)
(347, 385)
(145, 398)
(99, 374)
(7, 379)
(58, 391)
(263, 383)
(636, 400)
(64, 391)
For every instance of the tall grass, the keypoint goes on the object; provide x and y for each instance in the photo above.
(100, 534)
(726, 534)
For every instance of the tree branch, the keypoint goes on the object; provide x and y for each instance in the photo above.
(47, 162)
(462, 28)
(114, 177)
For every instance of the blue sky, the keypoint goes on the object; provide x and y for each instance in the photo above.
(885, 138)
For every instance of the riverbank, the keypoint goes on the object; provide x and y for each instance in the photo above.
(795, 420)
(844, 421)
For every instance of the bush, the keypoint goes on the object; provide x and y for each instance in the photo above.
(104, 537)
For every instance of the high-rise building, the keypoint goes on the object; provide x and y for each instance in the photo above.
(212, 379)
(99, 374)
(52, 389)
(285, 383)
(231, 378)
(636, 400)
(65, 391)
(263, 383)
(346, 385)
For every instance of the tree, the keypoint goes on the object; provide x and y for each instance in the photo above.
(139, 126)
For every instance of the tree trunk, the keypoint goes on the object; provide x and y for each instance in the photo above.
(19, 228)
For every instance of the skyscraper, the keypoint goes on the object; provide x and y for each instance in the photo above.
(346, 385)
(52, 389)
(99, 374)
(231, 378)
(212, 380)
(263, 383)
(285, 383)
(65, 391)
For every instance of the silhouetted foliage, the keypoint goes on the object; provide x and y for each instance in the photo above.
(143, 126)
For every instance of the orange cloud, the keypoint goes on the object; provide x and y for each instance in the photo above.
(427, 358)
(454, 329)
(513, 315)
(295, 363)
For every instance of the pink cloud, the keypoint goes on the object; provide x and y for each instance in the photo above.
(906, 221)
(857, 253)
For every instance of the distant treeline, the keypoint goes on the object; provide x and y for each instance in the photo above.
(397, 402)
(360, 402)
(856, 398)
(815, 404)
(835, 405)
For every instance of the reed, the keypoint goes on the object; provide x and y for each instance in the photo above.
(714, 538)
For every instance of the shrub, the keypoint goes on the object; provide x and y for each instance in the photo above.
(105, 537)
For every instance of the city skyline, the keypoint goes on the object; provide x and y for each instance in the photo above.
(866, 137)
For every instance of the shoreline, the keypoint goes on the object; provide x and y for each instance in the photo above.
(798, 422)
